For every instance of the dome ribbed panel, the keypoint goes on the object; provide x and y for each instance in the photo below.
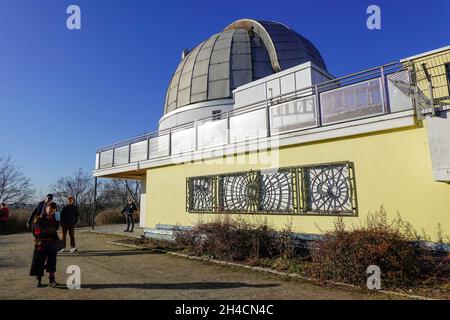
(246, 51)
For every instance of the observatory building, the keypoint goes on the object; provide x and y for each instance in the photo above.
(255, 125)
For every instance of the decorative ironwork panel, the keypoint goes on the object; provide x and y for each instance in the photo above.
(278, 191)
(201, 194)
(240, 192)
(329, 189)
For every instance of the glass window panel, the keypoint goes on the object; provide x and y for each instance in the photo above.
(356, 101)
(212, 133)
(248, 125)
(398, 87)
(138, 151)
(183, 140)
(106, 158)
(298, 114)
(159, 146)
(121, 155)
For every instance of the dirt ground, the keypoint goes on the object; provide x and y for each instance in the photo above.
(113, 272)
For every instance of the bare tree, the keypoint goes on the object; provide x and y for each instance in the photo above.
(14, 186)
(114, 193)
(111, 194)
(81, 187)
(133, 188)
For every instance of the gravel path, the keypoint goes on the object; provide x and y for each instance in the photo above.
(113, 272)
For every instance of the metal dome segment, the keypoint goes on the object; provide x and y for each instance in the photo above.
(217, 66)
(256, 27)
(286, 47)
(245, 51)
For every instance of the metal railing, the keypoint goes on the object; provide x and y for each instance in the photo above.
(360, 95)
(431, 78)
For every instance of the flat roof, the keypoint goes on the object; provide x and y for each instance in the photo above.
(420, 55)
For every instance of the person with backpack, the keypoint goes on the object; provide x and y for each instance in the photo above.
(4, 216)
(68, 219)
(129, 209)
(39, 209)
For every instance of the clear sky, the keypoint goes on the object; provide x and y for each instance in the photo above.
(64, 93)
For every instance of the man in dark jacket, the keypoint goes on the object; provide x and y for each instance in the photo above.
(39, 209)
(129, 209)
(68, 220)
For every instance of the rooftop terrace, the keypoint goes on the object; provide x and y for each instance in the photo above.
(270, 111)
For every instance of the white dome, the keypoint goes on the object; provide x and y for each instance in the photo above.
(245, 51)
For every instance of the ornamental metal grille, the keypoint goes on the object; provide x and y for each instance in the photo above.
(240, 192)
(201, 195)
(278, 191)
(326, 189)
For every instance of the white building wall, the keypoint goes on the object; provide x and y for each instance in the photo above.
(439, 143)
(281, 83)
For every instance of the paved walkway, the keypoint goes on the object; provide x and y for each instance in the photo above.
(118, 229)
(113, 272)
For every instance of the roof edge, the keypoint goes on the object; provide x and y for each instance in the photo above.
(424, 54)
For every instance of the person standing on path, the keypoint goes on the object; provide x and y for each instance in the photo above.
(39, 209)
(129, 210)
(4, 216)
(68, 219)
(46, 245)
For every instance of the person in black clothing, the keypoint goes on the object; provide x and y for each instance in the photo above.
(39, 209)
(68, 220)
(45, 229)
(129, 209)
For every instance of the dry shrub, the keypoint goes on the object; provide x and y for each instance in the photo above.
(113, 216)
(236, 240)
(344, 255)
(17, 220)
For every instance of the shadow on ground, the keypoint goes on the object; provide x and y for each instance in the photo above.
(177, 286)
(97, 253)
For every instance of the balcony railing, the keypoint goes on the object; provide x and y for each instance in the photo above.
(360, 95)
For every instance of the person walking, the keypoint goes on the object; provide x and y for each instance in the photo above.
(4, 216)
(46, 245)
(129, 209)
(39, 209)
(68, 219)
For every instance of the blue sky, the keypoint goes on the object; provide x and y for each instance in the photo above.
(64, 93)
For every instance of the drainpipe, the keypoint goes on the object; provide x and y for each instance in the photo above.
(430, 88)
(95, 203)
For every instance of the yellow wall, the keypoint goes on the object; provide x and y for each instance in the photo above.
(392, 169)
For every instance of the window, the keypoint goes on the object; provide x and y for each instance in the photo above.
(216, 114)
